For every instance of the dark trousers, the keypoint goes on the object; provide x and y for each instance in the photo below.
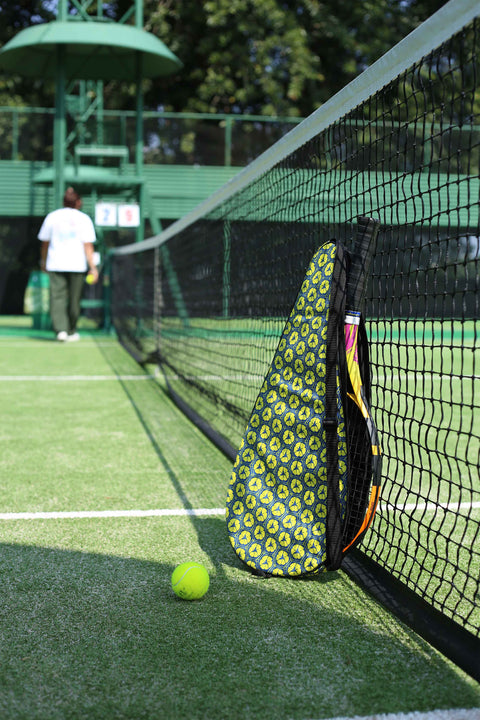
(65, 295)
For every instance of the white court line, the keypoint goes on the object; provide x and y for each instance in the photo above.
(239, 377)
(383, 507)
(192, 512)
(457, 714)
(79, 514)
(100, 378)
(46, 342)
(422, 375)
(73, 378)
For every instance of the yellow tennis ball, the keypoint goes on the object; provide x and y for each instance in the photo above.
(90, 279)
(190, 581)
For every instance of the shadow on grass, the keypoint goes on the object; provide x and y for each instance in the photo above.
(85, 635)
(323, 650)
(24, 326)
(171, 439)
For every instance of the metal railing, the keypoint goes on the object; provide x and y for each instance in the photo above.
(26, 133)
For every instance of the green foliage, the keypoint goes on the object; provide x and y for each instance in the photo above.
(275, 57)
(14, 17)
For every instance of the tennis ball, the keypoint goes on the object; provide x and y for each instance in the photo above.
(190, 581)
(89, 279)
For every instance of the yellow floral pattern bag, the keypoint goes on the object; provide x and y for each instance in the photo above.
(287, 494)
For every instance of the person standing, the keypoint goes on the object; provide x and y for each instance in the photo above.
(67, 236)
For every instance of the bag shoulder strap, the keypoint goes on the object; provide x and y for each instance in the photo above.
(365, 476)
(335, 365)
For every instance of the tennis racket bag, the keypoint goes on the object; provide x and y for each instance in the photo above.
(305, 483)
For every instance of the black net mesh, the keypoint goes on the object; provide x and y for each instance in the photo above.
(212, 304)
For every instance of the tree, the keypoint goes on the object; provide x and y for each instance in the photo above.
(15, 16)
(274, 57)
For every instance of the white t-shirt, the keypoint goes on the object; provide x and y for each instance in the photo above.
(67, 229)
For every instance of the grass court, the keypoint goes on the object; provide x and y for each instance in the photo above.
(106, 487)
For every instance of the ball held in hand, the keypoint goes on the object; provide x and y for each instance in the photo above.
(190, 581)
(90, 279)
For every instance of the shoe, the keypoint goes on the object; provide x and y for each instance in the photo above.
(73, 337)
(62, 336)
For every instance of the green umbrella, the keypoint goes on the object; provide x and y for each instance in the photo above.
(92, 50)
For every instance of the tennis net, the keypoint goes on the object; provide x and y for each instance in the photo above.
(208, 299)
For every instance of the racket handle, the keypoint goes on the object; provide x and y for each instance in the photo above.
(360, 259)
